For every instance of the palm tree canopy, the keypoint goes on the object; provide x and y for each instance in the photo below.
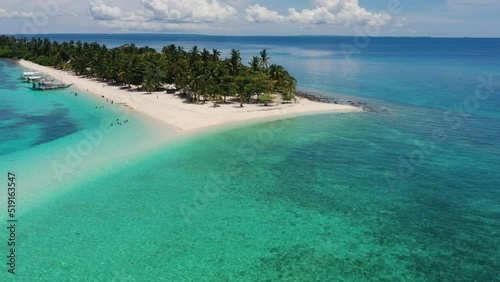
(254, 64)
(215, 54)
(202, 70)
(264, 58)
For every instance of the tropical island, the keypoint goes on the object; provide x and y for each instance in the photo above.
(201, 76)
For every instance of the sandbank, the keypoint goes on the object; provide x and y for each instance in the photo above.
(175, 111)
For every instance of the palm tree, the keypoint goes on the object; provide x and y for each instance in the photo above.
(195, 50)
(227, 87)
(203, 72)
(198, 85)
(233, 68)
(289, 87)
(235, 56)
(264, 58)
(235, 62)
(292, 84)
(215, 54)
(171, 52)
(277, 74)
(261, 84)
(267, 98)
(181, 74)
(244, 87)
(205, 55)
(194, 54)
(254, 64)
(150, 83)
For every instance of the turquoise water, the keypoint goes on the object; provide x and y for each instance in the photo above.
(407, 193)
(32, 118)
(54, 139)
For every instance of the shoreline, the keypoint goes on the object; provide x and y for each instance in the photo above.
(332, 100)
(171, 109)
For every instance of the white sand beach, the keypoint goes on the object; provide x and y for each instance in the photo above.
(185, 116)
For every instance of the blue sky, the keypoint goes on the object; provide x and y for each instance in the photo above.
(440, 18)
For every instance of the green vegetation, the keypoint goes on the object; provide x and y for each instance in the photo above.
(199, 73)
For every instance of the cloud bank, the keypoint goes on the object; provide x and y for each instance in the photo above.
(342, 12)
(197, 14)
(164, 15)
(16, 15)
(189, 11)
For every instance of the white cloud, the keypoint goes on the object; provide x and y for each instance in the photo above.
(344, 12)
(153, 26)
(160, 15)
(400, 22)
(190, 11)
(319, 15)
(102, 12)
(334, 6)
(258, 14)
(16, 15)
(237, 3)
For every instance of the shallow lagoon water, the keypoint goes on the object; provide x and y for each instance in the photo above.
(276, 214)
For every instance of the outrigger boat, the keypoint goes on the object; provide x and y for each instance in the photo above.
(30, 73)
(50, 86)
(32, 76)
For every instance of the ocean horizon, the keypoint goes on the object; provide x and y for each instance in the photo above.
(407, 192)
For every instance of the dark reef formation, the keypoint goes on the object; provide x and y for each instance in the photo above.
(333, 100)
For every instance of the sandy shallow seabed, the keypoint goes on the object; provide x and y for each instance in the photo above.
(188, 117)
(172, 119)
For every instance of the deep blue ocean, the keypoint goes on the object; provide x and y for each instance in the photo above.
(408, 192)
